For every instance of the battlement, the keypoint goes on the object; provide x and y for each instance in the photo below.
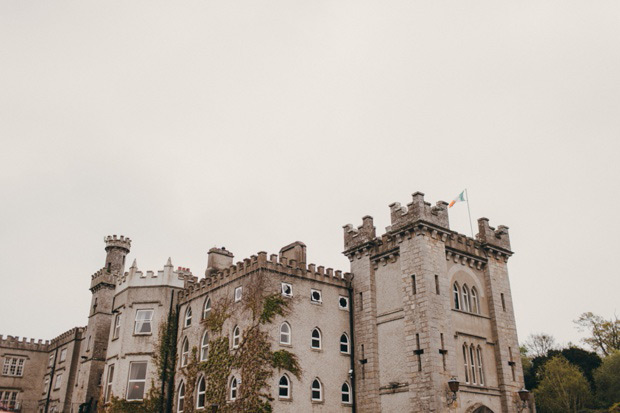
(273, 263)
(355, 237)
(165, 277)
(419, 210)
(112, 241)
(75, 333)
(14, 342)
(102, 277)
(494, 237)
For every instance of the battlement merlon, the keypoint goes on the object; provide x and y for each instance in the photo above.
(112, 241)
(356, 237)
(14, 342)
(419, 210)
(495, 238)
(103, 277)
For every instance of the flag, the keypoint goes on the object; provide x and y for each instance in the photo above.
(459, 198)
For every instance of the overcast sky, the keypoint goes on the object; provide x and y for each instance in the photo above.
(252, 124)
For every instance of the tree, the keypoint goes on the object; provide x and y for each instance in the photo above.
(607, 378)
(587, 361)
(605, 334)
(540, 344)
(562, 388)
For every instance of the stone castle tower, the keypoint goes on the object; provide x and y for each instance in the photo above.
(94, 348)
(430, 305)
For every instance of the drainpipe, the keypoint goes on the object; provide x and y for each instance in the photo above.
(351, 307)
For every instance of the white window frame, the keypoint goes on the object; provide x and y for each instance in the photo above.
(234, 389)
(117, 327)
(283, 287)
(312, 300)
(63, 355)
(465, 363)
(319, 389)
(206, 309)
(181, 398)
(347, 342)
(238, 293)
(141, 322)
(13, 366)
(108, 383)
(480, 364)
(130, 380)
(475, 302)
(185, 352)
(286, 387)
(346, 392)
(8, 398)
(466, 302)
(188, 317)
(340, 306)
(236, 337)
(312, 339)
(199, 393)
(204, 347)
(287, 335)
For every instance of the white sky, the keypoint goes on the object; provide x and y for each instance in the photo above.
(252, 124)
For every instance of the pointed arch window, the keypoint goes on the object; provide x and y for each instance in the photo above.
(285, 333)
(188, 317)
(201, 388)
(466, 303)
(465, 363)
(184, 352)
(284, 387)
(479, 365)
(475, 302)
(345, 393)
(472, 363)
(233, 388)
(181, 401)
(317, 390)
(206, 310)
(316, 339)
(344, 344)
(236, 337)
(456, 294)
(204, 347)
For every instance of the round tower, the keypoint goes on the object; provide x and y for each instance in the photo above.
(117, 249)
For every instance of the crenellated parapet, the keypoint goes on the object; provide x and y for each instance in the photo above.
(113, 241)
(75, 333)
(261, 262)
(419, 210)
(495, 239)
(165, 277)
(356, 237)
(14, 342)
(102, 278)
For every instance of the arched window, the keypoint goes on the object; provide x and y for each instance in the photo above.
(457, 296)
(233, 388)
(188, 317)
(236, 337)
(465, 363)
(480, 368)
(284, 387)
(204, 347)
(181, 402)
(201, 388)
(345, 393)
(472, 363)
(466, 301)
(207, 308)
(475, 303)
(316, 339)
(317, 390)
(344, 343)
(184, 352)
(285, 333)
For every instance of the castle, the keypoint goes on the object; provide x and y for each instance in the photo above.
(423, 322)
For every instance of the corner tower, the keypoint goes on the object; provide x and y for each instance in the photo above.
(94, 345)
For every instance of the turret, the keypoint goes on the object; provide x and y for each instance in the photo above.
(117, 249)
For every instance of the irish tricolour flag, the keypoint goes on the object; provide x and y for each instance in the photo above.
(459, 198)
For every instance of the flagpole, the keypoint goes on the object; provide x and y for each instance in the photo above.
(471, 227)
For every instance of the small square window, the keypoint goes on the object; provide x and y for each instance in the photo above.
(238, 292)
(287, 290)
(315, 296)
(343, 303)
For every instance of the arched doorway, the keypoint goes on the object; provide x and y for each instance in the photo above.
(483, 409)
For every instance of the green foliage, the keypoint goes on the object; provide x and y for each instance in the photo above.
(273, 305)
(285, 360)
(217, 316)
(607, 378)
(216, 370)
(562, 388)
(604, 334)
(151, 404)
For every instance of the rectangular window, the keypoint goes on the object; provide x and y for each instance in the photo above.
(136, 381)
(143, 322)
(51, 360)
(108, 383)
(13, 366)
(117, 326)
(46, 385)
(8, 399)
(58, 381)
(436, 284)
(63, 355)
(414, 287)
(238, 292)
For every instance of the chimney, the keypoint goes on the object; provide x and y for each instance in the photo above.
(295, 251)
(219, 259)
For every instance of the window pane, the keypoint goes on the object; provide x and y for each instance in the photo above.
(137, 371)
